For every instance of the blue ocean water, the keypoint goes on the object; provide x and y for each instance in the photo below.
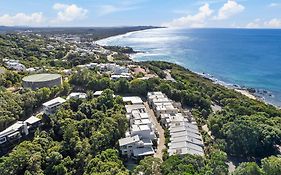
(246, 57)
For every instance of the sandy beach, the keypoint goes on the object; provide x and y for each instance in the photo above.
(246, 93)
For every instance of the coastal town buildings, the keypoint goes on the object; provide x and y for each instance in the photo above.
(185, 137)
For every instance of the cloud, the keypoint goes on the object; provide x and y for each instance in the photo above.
(68, 13)
(124, 5)
(274, 4)
(108, 9)
(20, 19)
(258, 23)
(229, 9)
(197, 20)
(255, 24)
(273, 23)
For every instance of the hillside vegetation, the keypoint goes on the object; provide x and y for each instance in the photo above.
(81, 137)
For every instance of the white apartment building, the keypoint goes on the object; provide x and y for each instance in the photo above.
(138, 141)
(76, 95)
(51, 106)
(135, 147)
(19, 130)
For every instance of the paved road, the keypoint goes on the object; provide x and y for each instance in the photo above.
(161, 146)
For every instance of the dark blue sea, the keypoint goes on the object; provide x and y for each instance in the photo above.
(246, 57)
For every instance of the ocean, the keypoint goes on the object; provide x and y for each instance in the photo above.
(249, 58)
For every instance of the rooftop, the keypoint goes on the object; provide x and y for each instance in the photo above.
(184, 144)
(98, 93)
(133, 99)
(128, 140)
(187, 139)
(185, 133)
(136, 128)
(185, 151)
(139, 115)
(131, 108)
(55, 101)
(31, 120)
(184, 123)
(11, 128)
(183, 128)
(76, 95)
(143, 151)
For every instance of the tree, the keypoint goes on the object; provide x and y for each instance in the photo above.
(147, 166)
(248, 168)
(138, 86)
(271, 165)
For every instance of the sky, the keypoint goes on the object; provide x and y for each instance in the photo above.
(168, 13)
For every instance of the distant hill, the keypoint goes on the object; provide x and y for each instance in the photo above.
(97, 32)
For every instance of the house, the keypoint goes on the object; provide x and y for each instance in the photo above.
(123, 75)
(164, 108)
(34, 70)
(15, 65)
(97, 93)
(19, 130)
(154, 95)
(171, 118)
(135, 147)
(161, 104)
(183, 128)
(134, 100)
(76, 95)
(183, 151)
(139, 139)
(184, 148)
(51, 106)
(136, 107)
(187, 139)
(143, 131)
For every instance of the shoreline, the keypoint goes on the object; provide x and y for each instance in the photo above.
(258, 94)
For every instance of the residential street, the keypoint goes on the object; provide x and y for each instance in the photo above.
(161, 145)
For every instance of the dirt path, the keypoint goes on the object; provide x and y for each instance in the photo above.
(161, 145)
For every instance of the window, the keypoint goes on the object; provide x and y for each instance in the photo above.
(3, 140)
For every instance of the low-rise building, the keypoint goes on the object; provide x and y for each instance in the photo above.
(32, 70)
(15, 65)
(51, 106)
(143, 131)
(127, 76)
(97, 93)
(172, 118)
(19, 130)
(133, 146)
(164, 108)
(76, 95)
(134, 100)
(141, 134)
